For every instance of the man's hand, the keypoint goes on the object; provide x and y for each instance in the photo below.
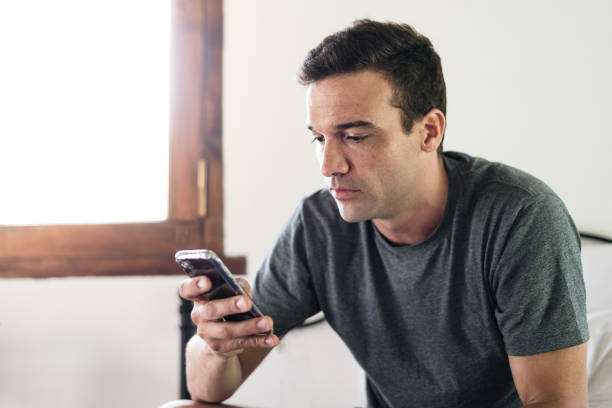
(225, 339)
(222, 354)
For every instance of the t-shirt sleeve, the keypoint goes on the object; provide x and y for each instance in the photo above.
(537, 283)
(283, 286)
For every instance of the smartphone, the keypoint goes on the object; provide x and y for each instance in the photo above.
(198, 262)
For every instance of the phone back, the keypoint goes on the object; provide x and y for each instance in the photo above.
(205, 262)
(221, 288)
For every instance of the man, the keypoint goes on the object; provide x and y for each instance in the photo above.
(455, 282)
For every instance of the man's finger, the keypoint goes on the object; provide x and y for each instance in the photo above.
(227, 346)
(194, 288)
(218, 309)
(232, 330)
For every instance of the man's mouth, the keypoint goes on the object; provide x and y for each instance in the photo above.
(343, 193)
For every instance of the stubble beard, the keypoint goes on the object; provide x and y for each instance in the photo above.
(355, 211)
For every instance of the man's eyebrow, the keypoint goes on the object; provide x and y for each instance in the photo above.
(357, 123)
(350, 125)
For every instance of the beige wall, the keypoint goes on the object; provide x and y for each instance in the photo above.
(88, 342)
(528, 84)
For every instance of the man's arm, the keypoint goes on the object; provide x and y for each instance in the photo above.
(554, 379)
(222, 354)
(212, 377)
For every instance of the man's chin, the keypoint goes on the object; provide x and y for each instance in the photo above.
(352, 214)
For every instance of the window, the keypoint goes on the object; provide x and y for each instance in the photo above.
(82, 100)
(194, 184)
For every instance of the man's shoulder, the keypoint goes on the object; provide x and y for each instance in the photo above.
(480, 177)
(496, 197)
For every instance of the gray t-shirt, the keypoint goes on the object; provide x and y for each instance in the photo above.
(432, 323)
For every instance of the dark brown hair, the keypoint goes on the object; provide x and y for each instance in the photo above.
(406, 58)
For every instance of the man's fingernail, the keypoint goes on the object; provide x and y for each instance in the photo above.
(262, 324)
(201, 284)
(240, 304)
(269, 341)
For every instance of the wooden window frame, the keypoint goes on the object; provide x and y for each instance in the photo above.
(194, 221)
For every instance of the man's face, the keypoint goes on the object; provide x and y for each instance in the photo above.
(371, 166)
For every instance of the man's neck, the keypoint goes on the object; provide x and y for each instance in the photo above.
(415, 225)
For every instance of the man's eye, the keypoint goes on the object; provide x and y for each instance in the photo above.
(356, 139)
(319, 139)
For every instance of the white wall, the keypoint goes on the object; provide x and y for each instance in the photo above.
(528, 84)
(89, 342)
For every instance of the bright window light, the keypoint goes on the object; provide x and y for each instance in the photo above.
(84, 106)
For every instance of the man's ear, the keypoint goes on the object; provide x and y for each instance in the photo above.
(433, 124)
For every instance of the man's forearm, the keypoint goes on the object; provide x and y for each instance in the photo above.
(210, 377)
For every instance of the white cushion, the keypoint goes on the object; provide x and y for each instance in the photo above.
(599, 361)
(597, 271)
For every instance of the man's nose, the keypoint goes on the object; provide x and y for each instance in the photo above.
(332, 160)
